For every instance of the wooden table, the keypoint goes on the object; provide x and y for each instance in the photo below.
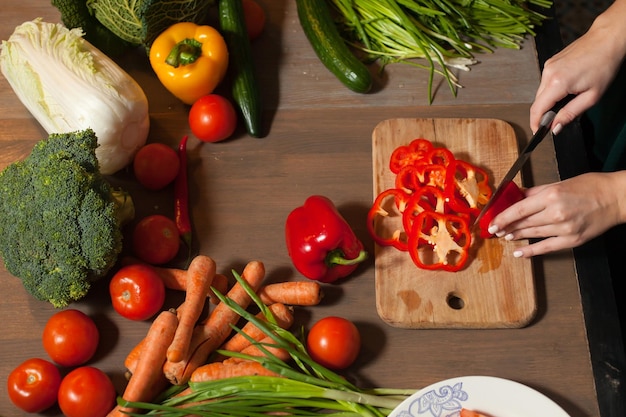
(319, 142)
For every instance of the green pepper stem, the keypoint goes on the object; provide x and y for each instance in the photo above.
(337, 257)
(184, 52)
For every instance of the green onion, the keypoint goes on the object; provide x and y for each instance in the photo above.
(304, 387)
(443, 33)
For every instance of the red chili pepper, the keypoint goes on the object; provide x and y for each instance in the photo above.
(181, 196)
(440, 241)
(320, 242)
(385, 215)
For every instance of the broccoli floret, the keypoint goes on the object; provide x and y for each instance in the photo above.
(60, 219)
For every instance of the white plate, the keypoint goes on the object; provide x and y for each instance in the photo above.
(495, 397)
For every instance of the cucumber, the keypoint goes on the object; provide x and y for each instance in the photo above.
(321, 31)
(245, 88)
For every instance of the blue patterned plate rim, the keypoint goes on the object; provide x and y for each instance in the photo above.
(492, 396)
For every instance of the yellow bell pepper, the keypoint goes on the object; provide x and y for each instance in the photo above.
(190, 60)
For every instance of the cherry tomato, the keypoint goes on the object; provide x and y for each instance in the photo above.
(33, 385)
(254, 16)
(334, 342)
(137, 292)
(212, 118)
(86, 392)
(156, 239)
(156, 165)
(70, 337)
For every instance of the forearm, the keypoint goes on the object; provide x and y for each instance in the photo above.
(618, 186)
(613, 24)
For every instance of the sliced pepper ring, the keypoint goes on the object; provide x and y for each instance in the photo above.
(425, 199)
(384, 219)
(467, 187)
(439, 241)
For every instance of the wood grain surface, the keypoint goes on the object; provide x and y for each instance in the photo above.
(495, 289)
(319, 141)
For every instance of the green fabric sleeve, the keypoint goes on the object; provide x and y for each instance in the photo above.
(608, 118)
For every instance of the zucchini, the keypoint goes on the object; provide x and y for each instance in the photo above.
(244, 86)
(321, 31)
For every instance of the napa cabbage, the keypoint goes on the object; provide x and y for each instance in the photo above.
(68, 85)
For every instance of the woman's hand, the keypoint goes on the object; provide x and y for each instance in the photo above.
(566, 214)
(585, 68)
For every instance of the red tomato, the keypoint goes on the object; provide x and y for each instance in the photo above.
(34, 384)
(334, 342)
(137, 292)
(156, 239)
(86, 392)
(70, 337)
(212, 118)
(254, 16)
(156, 165)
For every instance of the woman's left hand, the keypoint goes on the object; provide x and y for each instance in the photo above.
(567, 214)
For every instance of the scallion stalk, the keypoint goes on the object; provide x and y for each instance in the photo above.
(446, 34)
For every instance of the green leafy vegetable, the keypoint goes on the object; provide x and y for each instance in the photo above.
(60, 220)
(445, 34)
(141, 21)
(304, 388)
(75, 14)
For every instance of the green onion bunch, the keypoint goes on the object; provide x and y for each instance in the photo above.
(304, 387)
(438, 35)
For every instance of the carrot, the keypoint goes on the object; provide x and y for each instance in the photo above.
(176, 279)
(199, 278)
(130, 362)
(238, 342)
(220, 283)
(302, 293)
(147, 379)
(257, 350)
(211, 333)
(220, 370)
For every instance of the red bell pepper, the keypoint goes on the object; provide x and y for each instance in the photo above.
(320, 242)
(509, 195)
(467, 187)
(409, 154)
(440, 241)
(425, 199)
(385, 215)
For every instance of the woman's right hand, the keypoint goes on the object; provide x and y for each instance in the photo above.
(585, 68)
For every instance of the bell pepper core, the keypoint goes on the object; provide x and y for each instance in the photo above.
(320, 242)
(190, 60)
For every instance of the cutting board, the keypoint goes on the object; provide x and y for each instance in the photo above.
(495, 290)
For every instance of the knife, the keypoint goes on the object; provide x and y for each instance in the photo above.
(542, 131)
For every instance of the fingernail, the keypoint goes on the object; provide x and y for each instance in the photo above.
(517, 254)
(500, 233)
(557, 129)
(493, 229)
(509, 236)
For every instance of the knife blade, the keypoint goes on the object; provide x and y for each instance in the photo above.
(542, 131)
